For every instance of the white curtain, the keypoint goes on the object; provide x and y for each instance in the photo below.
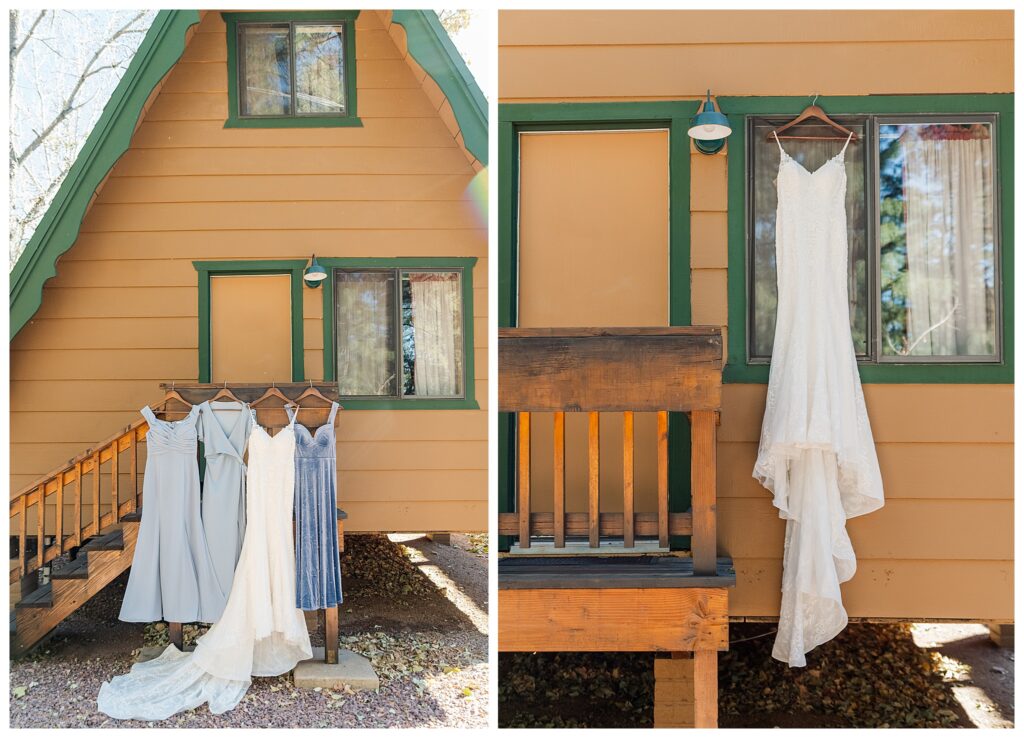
(948, 198)
(365, 322)
(436, 321)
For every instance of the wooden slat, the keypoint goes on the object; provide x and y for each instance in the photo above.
(703, 472)
(331, 635)
(611, 370)
(628, 537)
(133, 466)
(578, 524)
(593, 619)
(114, 479)
(39, 533)
(22, 538)
(705, 688)
(59, 514)
(96, 493)
(523, 508)
(594, 479)
(78, 503)
(663, 479)
(559, 481)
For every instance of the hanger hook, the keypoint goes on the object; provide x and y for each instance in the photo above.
(815, 100)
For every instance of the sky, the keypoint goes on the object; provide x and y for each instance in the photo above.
(472, 42)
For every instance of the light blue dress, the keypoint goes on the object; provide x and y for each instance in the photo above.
(224, 429)
(317, 558)
(172, 576)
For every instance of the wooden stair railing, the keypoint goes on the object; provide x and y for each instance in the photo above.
(667, 602)
(108, 539)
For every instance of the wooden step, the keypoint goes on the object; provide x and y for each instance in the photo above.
(619, 572)
(110, 541)
(42, 597)
(77, 569)
(132, 517)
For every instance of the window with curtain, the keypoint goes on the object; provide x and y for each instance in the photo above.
(292, 69)
(921, 217)
(400, 333)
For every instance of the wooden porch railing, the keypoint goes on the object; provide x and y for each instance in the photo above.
(614, 370)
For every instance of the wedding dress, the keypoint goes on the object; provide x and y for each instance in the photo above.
(817, 454)
(261, 632)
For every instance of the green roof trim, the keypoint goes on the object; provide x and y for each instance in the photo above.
(56, 233)
(433, 50)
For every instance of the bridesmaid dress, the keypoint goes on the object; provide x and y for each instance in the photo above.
(318, 560)
(224, 431)
(172, 576)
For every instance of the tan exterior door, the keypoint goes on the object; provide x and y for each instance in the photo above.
(250, 328)
(593, 250)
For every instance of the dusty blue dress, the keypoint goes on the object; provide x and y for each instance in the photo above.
(224, 429)
(317, 558)
(172, 576)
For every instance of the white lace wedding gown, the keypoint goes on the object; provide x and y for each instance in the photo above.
(817, 455)
(261, 632)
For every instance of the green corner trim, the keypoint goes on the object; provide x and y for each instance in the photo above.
(59, 227)
(433, 50)
(465, 264)
(737, 369)
(293, 267)
(513, 118)
(351, 117)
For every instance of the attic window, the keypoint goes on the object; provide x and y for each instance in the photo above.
(291, 70)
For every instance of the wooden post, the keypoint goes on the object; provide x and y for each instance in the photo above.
(22, 533)
(705, 689)
(174, 633)
(663, 479)
(59, 522)
(39, 528)
(594, 479)
(524, 480)
(115, 497)
(559, 481)
(703, 481)
(627, 480)
(331, 635)
(133, 468)
(78, 503)
(96, 492)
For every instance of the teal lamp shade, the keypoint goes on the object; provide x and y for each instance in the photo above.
(315, 274)
(709, 128)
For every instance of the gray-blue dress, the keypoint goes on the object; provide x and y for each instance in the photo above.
(317, 558)
(224, 429)
(172, 576)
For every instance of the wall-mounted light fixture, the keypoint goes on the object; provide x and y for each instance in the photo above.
(709, 128)
(314, 274)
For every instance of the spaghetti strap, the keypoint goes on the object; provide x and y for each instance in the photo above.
(779, 143)
(848, 139)
(334, 411)
(292, 414)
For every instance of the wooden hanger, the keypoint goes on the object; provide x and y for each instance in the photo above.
(812, 111)
(273, 391)
(310, 391)
(172, 394)
(225, 392)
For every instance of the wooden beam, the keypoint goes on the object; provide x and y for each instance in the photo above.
(174, 633)
(594, 479)
(705, 688)
(613, 619)
(578, 524)
(523, 509)
(628, 537)
(703, 472)
(559, 480)
(331, 635)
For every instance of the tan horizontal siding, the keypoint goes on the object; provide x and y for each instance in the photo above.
(121, 315)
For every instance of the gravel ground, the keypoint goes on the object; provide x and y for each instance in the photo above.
(922, 675)
(416, 609)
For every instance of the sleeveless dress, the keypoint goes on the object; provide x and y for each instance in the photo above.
(817, 455)
(318, 560)
(172, 575)
(262, 633)
(223, 506)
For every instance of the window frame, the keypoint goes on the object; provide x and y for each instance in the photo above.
(235, 119)
(983, 107)
(463, 265)
(208, 269)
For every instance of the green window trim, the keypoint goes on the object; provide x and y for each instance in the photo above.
(513, 118)
(351, 117)
(465, 264)
(738, 369)
(293, 267)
